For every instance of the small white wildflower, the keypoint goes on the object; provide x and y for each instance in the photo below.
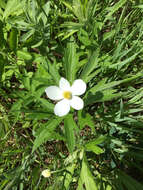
(68, 96)
(46, 173)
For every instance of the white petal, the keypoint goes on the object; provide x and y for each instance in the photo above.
(54, 93)
(78, 87)
(76, 103)
(62, 108)
(64, 84)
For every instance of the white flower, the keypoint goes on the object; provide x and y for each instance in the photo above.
(68, 96)
(46, 173)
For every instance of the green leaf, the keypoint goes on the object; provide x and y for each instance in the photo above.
(13, 7)
(90, 66)
(102, 86)
(54, 71)
(78, 10)
(4, 126)
(13, 39)
(91, 147)
(93, 74)
(114, 8)
(108, 35)
(69, 175)
(24, 55)
(99, 140)
(129, 182)
(67, 5)
(83, 37)
(49, 106)
(139, 6)
(13, 177)
(120, 64)
(86, 177)
(85, 119)
(69, 124)
(71, 158)
(70, 60)
(102, 96)
(1, 35)
(26, 82)
(2, 4)
(2, 61)
(71, 26)
(137, 96)
(47, 133)
(38, 115)
(69, 34)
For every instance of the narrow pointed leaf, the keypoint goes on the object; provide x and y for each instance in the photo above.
(70, 60)
(69, 125)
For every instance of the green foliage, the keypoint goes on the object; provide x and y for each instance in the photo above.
(70, 60)
(13, 39)
(70, 125)
(90, 66)
(98, 147)
(91, 146)
(86, 177)
(46, 132)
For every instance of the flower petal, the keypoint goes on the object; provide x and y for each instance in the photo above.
(62, 108)
(76, 103)
(54, 93)
(64, 84)
(78, 87)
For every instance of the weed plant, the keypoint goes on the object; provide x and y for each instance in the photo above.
(97, 148)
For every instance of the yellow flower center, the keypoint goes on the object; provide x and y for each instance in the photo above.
(67, 95)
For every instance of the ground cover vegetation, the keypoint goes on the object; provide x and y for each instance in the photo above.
(97, 148)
